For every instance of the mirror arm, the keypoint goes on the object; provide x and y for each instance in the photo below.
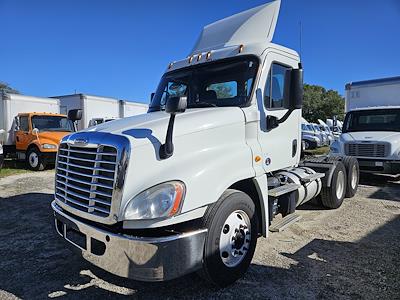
(167, 149)
(285, 116)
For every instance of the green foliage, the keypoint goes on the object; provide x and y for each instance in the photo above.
(6, 88)
(321, 104)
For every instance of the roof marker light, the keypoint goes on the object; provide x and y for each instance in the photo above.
(170, 65)
(190, 59)
(208, 55)
(241, 48)
(199, 57)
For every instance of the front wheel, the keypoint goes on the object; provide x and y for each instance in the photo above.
(35, 160)
(231, 240)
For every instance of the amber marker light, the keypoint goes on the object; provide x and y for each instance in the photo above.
(178, 198)
(257, 158)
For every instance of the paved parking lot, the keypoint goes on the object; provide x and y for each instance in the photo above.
(351, 252)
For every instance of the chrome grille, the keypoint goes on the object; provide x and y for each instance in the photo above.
(367, 149)
(85, 177)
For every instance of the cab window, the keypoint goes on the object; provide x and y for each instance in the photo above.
(274, 97)
(23, 123)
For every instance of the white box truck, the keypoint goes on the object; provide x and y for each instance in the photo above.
(93, 107)
(129, 108)
(32, 128)
(97, 109)
(193, 183)
(371, 129)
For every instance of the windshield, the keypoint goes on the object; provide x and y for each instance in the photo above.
(52, 123)
(372, 120)
(223, 83)
(316, 128)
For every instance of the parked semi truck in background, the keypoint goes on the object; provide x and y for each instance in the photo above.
(32, 128)
(193, 183)
(371, 129)
(96, 109)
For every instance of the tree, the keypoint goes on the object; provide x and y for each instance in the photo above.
(6, 88)
(320, 103)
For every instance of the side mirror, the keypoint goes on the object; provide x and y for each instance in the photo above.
(75, 115)
(176, 105)
(173, 106)
(35, 131)
(296, 89)
(16, 120)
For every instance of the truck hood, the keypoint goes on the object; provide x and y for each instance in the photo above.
(381, 136)
(152, 127)
(54, 136)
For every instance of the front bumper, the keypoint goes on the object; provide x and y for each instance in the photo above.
(49, 157)
(379, 166)
(140, 258)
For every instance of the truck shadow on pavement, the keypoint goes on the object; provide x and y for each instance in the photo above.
(35, 264)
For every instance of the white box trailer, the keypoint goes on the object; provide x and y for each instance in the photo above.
(372, 93)
(13, 104)
(97, 109)
(93, 107)
(129, 108)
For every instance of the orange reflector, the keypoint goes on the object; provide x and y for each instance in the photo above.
(257, 158)
(178, 198)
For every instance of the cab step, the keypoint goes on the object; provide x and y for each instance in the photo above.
(283, 189)
(285, 222)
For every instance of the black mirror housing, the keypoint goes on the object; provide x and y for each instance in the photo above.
(176, 105)
(296, 89)
(75, 115)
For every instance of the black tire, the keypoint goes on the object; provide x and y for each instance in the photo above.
(353, 173)
(332, 197)
(34, 160)
(215, 270)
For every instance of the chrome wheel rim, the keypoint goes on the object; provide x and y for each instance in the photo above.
(234, 242)
(354, 177)
(33, 159)
(340, 185)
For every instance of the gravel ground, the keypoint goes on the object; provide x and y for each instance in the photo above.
(351, 252)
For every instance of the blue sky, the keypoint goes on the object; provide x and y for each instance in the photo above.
(121, 48)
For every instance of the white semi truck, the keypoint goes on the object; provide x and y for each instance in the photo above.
(371, 129)
(97, 109)
(192, 184)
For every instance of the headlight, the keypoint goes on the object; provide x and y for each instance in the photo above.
(160, 201)
(49, 146)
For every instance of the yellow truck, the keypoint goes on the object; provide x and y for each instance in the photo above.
(29, 135)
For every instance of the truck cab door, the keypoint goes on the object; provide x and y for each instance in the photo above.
(22, 134)
(280, 142)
